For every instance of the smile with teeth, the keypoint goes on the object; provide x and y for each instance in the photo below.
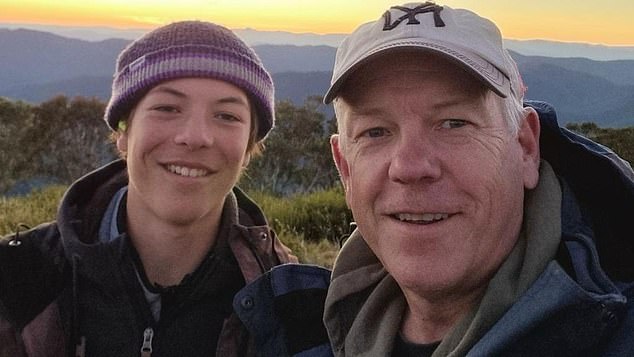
(424, 218)
(186, 171)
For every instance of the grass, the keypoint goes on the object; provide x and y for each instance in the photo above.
(37, 207)
(308, 224)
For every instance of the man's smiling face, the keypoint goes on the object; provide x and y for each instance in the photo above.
(433, 174)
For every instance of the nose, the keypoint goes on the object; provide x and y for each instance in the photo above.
(195, 132)
(414, 160)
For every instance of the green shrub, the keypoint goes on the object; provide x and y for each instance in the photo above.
(322, 217)
(321, 253)
(314, 216)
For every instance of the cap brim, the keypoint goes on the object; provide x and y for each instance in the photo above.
(481, 69)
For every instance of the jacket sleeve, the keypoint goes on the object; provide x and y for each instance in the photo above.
(283, 309)
(32, 266)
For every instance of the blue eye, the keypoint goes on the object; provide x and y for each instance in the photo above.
(454, 123)
(375, 132)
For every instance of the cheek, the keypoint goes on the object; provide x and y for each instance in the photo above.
(364, 185)
(234, 148)
(144, 135)
(497, 186)
(492, 158)
(489, 171)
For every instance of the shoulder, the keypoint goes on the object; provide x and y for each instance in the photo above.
(30, 248)
(253, 243)
(32, 266)
(283, 310)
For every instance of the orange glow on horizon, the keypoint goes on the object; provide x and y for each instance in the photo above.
(564, 20)
(69, 16)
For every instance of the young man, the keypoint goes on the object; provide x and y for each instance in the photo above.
(148, 253)
(473, 239)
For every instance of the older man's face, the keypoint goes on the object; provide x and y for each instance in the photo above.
(433, 175)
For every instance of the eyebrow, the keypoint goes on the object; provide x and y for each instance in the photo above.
(177, 93)
(167, 90)
(232, 100)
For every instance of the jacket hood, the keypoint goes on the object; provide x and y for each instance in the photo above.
(603, 185)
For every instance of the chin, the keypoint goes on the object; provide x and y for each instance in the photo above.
(183, 217)
(420, 271)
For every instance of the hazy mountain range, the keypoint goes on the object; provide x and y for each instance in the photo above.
(256, 37)
(36, 65)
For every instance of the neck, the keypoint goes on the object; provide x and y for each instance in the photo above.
(169, 250)
(430, 320)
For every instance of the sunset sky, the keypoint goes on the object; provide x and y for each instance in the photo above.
(605, 22)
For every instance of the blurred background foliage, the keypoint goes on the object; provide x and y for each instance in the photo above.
(45, 147)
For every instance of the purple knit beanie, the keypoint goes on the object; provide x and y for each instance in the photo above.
(190, 49)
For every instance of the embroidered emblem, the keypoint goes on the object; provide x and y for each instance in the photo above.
(410, 15)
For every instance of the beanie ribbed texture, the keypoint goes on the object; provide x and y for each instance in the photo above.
(190, 49)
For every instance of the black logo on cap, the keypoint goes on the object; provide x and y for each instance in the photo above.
(410, 15)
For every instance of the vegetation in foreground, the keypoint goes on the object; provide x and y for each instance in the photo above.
(49, 145)
(310, 225)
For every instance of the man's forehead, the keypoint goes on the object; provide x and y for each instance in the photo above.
(387, 68)
(385, 73)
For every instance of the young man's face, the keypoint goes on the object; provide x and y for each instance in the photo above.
(433, 175)
(186, 145)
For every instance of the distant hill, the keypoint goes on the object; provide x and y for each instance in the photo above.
(253, 37)
(570, 50)
(287, 58)
(618, 72)
(34, 66)
(84, 86)
(291, 86)
(582, 90)
(311, 84)
(34, 57)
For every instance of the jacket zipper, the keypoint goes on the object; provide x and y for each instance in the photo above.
(146, 348)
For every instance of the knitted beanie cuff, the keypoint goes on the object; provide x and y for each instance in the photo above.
(190, 49)
(133, 82)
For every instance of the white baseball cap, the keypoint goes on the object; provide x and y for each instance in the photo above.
(460, 35)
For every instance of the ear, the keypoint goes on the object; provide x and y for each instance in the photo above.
(246, 160)
(340, 161)
(122, 141)
(528, 137)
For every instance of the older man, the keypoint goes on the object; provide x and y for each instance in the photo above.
(470, 241)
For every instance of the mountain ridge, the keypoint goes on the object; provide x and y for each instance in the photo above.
(529, 47)
(35, 66)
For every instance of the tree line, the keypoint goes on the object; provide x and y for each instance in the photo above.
(63, 138)
(59, 140)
